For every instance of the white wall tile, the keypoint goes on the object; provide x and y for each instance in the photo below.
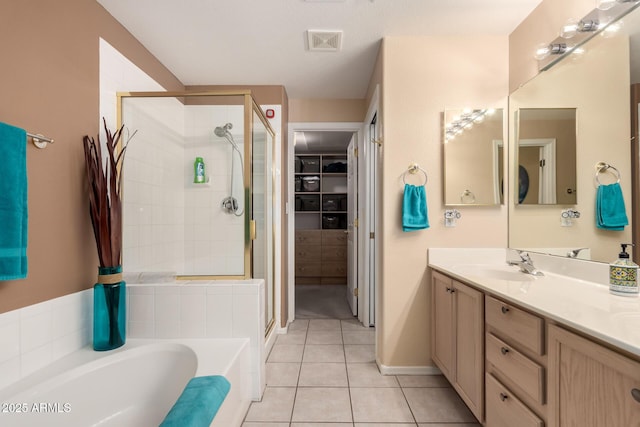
(35, 359)
(219, 315)
(35, 329)
(9, 371)
(9, 337)
(193, 305)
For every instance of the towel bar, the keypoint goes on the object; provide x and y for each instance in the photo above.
(39, 140)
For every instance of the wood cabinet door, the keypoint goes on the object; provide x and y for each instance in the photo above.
(589, 384)
(469, 346)
(442, 342)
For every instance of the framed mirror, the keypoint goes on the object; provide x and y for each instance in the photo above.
(473, 157)
(546, 156)
(596, 83)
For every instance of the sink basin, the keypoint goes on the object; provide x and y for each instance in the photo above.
(503, 274)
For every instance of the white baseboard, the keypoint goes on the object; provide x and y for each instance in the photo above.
(408, 370)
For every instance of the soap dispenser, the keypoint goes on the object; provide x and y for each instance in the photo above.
(623, 274)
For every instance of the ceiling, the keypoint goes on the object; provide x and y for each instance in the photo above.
(263, 42)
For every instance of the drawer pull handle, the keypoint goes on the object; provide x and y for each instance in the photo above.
(448, 289)
(504, 350)
(636, 394)
(503, 397)
(505, 309)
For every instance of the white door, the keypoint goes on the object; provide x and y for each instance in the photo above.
(352, 233)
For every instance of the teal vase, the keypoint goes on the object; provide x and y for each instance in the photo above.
(109, 309)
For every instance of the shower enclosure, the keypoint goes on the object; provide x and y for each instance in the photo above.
(221, 228)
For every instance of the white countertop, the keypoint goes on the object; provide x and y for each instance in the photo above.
(580, 304)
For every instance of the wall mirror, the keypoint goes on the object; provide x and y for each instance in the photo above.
(596, 84)
(473, 157)
(546, 156)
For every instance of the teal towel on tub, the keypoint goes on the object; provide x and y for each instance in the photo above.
(414, 208)
(199, 402)
(611, 213)
(13, 202)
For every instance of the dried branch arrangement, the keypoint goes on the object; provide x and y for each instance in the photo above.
(105, 193)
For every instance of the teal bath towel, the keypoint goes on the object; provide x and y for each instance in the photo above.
(610, 209)
(414, 208)
(13, 203)
(199, 402)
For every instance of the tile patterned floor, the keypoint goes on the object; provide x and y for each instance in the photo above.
(323, 374)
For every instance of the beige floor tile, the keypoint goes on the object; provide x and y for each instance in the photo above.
(326, 353)
(276, 405)
(382, 405)
(385, 424)
(324, 337)
(282, 374)
(450, 425)
(360, 353)
(292, 337)
(324, 325)
(364, 337)
(323, 375)
(258, 424)
(286, 353)
(437, 405)
(321, 425)
(322, 404)
(353, 325)
(299, 325)
(423, 381)
(367, 375)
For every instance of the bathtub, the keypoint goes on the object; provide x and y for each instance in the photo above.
(135, 385)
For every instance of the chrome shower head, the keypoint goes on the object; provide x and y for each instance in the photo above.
(223, 131)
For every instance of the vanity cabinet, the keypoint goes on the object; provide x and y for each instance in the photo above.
(458, 338)
(589, 384)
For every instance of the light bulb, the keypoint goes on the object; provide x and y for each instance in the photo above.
(543, 50)
(606, 4)
(491, 111)
(569, 29)
(612, 29)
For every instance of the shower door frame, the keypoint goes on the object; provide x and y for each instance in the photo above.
(250, 106)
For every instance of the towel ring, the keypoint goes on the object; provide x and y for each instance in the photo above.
(467, 196)
(602, 167)
(414, 169)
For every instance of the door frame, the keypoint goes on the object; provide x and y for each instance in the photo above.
(547, 179)
(356, 128)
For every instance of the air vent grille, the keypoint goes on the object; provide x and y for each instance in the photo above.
(324, 41)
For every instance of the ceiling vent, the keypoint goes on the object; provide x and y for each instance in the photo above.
(324, 41)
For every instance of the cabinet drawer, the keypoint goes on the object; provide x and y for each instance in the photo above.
(308, 269)
(515, 324)
(519, 368)
(308, 237)
(334, 253)
(334, 269)
(504, 409)
(308, 253)
(334, 237)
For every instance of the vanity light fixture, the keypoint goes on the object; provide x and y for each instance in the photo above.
(465, 121)
(600, 20)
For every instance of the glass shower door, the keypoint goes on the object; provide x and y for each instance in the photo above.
(262, 207)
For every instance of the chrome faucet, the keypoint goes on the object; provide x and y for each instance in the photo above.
(573, 253)
(526, 264)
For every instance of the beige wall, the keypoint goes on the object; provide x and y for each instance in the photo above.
(49, 84)
(541, 26)
(421, 76)
(326, 110)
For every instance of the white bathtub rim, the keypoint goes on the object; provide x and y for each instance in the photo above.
(86, 360)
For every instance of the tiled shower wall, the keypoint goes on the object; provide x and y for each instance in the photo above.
(214, 239)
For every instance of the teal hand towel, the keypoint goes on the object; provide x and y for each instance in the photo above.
(13, 203)
(610, 208)
(199, 402)
(414, 208)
